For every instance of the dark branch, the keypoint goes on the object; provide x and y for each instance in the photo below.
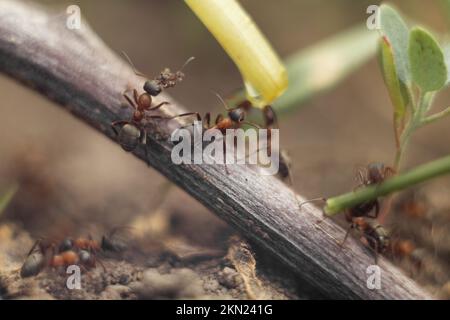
(76, 69)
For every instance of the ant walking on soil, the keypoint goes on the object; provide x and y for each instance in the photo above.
(81, 251)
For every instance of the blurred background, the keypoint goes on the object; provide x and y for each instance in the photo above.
(72, 179)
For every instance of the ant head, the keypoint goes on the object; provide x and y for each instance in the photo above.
(152, 87)
(236, 115)
(144, 101)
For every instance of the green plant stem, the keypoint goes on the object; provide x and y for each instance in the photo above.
(435, 117)
(423, 105)
(420, 174)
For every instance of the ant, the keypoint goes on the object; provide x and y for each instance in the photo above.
(378, 238)
(375, 235)
(81, 251)
(166, 78)
(270, 122)
(132, 132)
(235, 118)
(372, 174)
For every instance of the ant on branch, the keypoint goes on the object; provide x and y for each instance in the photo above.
(363, 216)
(236, 117)
(131, 133)
(375, 235)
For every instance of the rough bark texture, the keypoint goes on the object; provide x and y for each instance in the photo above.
(78, 71)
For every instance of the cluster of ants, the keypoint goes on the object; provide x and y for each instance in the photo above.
(362, 217)
(83, 252)
(130, 133)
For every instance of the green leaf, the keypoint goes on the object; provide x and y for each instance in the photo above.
(396, 88)
(426, 58)
(7, 197)
(394, 28)
(447, 62)
(446, 7)
(319, 68)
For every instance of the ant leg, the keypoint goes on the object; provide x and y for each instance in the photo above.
(251, 124)
(377, 210)
(94, 263)
(270, 117)
(144, 143)
(159, 105)
(130, 102)
(219, 118)
(225, 157)
(341, 245)
(36, 243)
(207, 120)
(136, 96)
(374, 250)
(199, 118)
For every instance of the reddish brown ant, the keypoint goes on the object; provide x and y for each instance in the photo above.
(373, 174)
(235, 118)
(132, 132)
(375, 235)
(81, 251)
(270, 122)
(37, 258)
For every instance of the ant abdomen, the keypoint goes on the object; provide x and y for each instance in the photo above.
(129, 137)
(152, 87)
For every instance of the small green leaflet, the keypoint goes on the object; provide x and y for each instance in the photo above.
(426, 58)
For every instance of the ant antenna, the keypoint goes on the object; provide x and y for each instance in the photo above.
(138, 73)
(189, 60)
(223, 101)
(313, 200)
